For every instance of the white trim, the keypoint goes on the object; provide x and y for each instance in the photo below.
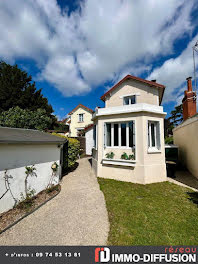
(118, 147)
(127, 95)
(119, 162)
(154, 150)
(126, 109)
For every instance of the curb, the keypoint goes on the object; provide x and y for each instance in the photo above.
(11, 225)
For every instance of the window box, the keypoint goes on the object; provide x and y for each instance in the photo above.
(119, 162)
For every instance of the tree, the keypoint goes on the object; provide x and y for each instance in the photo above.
(17, 89)
(176, 117)
(24, 118)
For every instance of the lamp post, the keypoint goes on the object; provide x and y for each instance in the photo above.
(195, 48)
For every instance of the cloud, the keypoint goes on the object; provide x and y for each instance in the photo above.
(99, 42)
(173, 74)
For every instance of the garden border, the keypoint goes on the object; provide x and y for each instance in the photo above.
(29, 213)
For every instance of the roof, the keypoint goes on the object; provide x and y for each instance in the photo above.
(130, 77)
(80, 105)
(20, 135)
(88, 127)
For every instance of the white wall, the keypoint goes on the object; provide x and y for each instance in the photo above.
(186, 138)
(89, 141)
(14, 158)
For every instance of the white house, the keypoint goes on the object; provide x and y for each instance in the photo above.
(129, 132)
(20, 148)
(78, 119)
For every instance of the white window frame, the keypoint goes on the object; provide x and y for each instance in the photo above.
(130, 98)
(157, 147)
(81, 118)
(119, 135)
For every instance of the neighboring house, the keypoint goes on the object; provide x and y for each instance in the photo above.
(24, 147)
(186, 134)
(129, 132)
(78, 119)
(89, 139)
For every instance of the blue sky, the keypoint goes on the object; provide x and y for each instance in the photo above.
(76, 50)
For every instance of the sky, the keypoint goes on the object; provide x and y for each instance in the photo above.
(76, 50)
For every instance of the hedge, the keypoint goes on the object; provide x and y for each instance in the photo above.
(73, 149)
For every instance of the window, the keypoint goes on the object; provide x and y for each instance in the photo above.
(120, 134)
(153, 135)
(94, 135)
(81, 117)
(130, 100)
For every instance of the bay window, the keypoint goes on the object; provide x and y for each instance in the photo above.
(120, 134)
(153, 135)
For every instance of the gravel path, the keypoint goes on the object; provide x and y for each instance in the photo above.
(77, 216)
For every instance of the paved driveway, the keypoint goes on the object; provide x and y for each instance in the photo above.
(77, 216)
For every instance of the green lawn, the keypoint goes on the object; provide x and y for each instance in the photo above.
(154, 214)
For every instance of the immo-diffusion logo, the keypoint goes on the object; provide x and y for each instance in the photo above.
(102, 255)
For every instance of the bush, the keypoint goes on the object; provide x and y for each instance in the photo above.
(73, 149)
(169, 140)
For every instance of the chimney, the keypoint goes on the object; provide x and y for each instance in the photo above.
(189, 101)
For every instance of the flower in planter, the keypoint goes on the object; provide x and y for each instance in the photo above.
(110, 155)
(54, 166)
(126, 157)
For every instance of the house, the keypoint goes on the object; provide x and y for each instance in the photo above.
(78, 119)
(186, 134)
(129, 132)
(24, 147)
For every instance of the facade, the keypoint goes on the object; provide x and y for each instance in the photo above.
(20, 148)
(89, 139)
(79, 118)
(129, 133)
(185, 135)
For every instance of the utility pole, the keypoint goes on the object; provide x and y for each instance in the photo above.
(195, 48)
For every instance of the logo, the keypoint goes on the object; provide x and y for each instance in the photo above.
(102, 255)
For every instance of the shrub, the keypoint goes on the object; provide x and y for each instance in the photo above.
(169, 140)
(110, 155)
(73, 149)
(126, 157)
(52, 188)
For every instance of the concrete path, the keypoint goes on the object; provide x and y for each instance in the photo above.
(186, 179)
(77, 216)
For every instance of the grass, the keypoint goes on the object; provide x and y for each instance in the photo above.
(154, 214)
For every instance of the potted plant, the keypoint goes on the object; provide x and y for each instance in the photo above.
(110, 155)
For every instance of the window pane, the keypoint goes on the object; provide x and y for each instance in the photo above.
(123, 134)
(126, 100)
(131, 132)
(108, 136)
(115, 134)
(153, 134)
(133, 99)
